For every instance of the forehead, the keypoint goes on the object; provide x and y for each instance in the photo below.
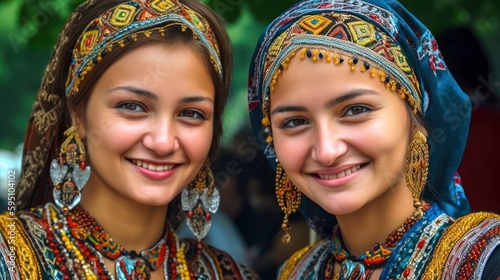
(160, 68)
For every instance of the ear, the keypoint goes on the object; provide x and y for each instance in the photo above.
(77, 121)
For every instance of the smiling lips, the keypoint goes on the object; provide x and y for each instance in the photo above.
(341, 174)
(153, 167)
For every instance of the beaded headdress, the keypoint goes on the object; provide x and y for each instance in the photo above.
(124, 23)
(340, 39)
(377, 38)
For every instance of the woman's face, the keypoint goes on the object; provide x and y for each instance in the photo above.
(340, 135)
(148, 123)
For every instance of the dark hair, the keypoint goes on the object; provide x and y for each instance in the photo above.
(173, 35)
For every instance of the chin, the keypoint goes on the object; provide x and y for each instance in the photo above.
(342, 208)
(154, 201)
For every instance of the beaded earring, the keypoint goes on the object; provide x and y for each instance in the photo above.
(199, 199)
(288, 197)
(69, 173)
(416, 169)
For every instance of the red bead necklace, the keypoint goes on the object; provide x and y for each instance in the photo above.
(79, 245)
(362, 267)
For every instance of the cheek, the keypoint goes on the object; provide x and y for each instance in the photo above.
(384, 142)
(291, 151)
(110, 134)
(197, 141)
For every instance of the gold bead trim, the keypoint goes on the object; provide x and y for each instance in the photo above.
(337, 57)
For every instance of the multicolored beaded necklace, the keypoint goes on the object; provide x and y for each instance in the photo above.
(353, 268)
(80, 244)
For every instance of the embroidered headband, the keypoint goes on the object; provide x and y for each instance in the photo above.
(128, 20)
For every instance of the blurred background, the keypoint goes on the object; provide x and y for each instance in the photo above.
(468, 34)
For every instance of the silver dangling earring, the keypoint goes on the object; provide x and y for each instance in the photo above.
(199, 199)
(69, 173)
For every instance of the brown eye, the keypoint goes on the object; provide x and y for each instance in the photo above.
(295, 122)
(131, 106)
(357, 110)
(192, 114)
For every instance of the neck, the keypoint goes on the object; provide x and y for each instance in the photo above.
(132, 225)
(375, 221)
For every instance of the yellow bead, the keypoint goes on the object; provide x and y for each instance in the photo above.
(265, 121)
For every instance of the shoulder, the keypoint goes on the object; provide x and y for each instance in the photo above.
(466, 246)
(214, 263)
(17, 253)
(304, 263)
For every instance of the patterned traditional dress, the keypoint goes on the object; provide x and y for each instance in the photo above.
(435, 247)
(42, 243)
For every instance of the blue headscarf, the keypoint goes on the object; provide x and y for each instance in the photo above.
(445, 106)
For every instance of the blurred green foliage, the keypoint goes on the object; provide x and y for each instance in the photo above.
(29, 29)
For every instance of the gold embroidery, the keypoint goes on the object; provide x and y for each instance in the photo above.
(291, 263)
(363, 33)
(123, 15)
(26, 261)
(33, 162)
(315, 23)
(447, 242)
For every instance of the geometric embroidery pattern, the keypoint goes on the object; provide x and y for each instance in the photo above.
(336, 37)
(89, 40)
(124, 22)
(123, 15)
(345, 28)
(400, 59)
(314, 24)
(339, 32)
(276, 45)
(363, 33)
(161, 5)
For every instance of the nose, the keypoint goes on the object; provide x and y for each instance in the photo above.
(328, 144)
(162, 137)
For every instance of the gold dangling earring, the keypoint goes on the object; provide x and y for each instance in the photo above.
(288, 197)
(69, 173)
(199, 199)
(416, 169)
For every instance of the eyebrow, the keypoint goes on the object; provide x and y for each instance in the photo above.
(137, 91)
(196, 99)
(153, 96)
(351, 95)
(282, 109)
(348, 96)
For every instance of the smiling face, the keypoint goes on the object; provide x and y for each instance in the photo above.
(340, 135)
(148, 124)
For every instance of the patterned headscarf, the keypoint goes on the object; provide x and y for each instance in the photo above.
(383, 39)
(80, 52)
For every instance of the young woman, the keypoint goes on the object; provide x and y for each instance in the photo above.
(366, 128)
(127, 117)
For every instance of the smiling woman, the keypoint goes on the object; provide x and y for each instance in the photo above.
(351, 98)
(149, 149)
(119, 141)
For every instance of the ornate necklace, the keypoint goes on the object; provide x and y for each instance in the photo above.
(353, 268)
(79, 245)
